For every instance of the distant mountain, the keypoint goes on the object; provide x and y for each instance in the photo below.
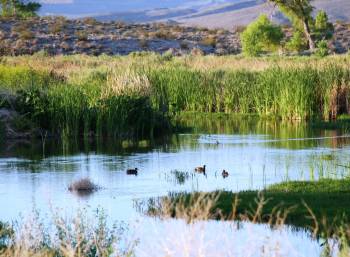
(203, 13)
(238, 14)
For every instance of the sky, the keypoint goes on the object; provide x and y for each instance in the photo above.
(93, 7)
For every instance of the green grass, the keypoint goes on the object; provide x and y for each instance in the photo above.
(138, 95)
(329, 201)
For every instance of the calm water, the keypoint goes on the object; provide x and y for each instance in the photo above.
(255, 153)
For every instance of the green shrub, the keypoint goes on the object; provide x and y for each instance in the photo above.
(297, 42)
(32, 103)
(322, 48)
(323, 28)
(261, 35)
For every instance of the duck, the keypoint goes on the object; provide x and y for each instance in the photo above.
(132, 172)
(225, 174)
(200, 169)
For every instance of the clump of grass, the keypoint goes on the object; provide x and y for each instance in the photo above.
(180, 176)
(83, 185)
(79, 236)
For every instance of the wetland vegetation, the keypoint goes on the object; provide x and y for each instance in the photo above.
(266, 106)
(139, 96)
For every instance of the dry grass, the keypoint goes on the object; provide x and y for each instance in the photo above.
(127, 82)
(76, 237)
(74, 66)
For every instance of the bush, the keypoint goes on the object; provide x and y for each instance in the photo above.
(26, 35)
(322, 48)
(81, 35)
(323, 28)
(297, 42)
(56, 27)
(209, 41)
(261, 35)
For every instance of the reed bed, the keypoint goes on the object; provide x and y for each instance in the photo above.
(137, 96)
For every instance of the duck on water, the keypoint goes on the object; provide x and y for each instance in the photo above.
(200, 170)
(132, 171)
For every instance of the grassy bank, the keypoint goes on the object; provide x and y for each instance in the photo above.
(323, 206)
(138, 95)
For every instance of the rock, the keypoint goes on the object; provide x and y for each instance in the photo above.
(120, 38)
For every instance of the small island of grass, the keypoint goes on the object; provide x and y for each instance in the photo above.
(324, 204)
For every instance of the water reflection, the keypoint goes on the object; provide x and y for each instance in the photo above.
(177, 238)
(256, 153)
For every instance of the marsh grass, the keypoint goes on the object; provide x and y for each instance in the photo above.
(138, 95)
(323, 213)
(324, 203)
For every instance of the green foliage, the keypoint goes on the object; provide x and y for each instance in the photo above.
(19, 8)
(322, 48)
(261, 35)
(323, 185)
(297, 42)
(299, 12)
(142, 105)
(32, 102)
(323, 28)
(328, 199)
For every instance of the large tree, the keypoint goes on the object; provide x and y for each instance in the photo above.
(300, 14)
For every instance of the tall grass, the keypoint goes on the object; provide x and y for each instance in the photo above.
(137, 95)
(289, 93)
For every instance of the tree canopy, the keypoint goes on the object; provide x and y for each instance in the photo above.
(299, 13)
(261, 35)
(19, 8)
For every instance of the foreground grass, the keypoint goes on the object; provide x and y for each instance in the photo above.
(79, 236)
(323, 205)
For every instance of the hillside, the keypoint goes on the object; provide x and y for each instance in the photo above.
(229, 16)
(210, 13)
(226, 14)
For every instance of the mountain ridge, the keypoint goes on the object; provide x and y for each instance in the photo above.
(211, 13)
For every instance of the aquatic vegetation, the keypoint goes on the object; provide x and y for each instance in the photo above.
(263, 207)
(84, 184)
(138, 96)
(325, 201)
(180, 176)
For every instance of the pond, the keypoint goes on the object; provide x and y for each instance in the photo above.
(256, 154)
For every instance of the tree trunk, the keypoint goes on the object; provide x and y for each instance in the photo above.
(309, 38)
